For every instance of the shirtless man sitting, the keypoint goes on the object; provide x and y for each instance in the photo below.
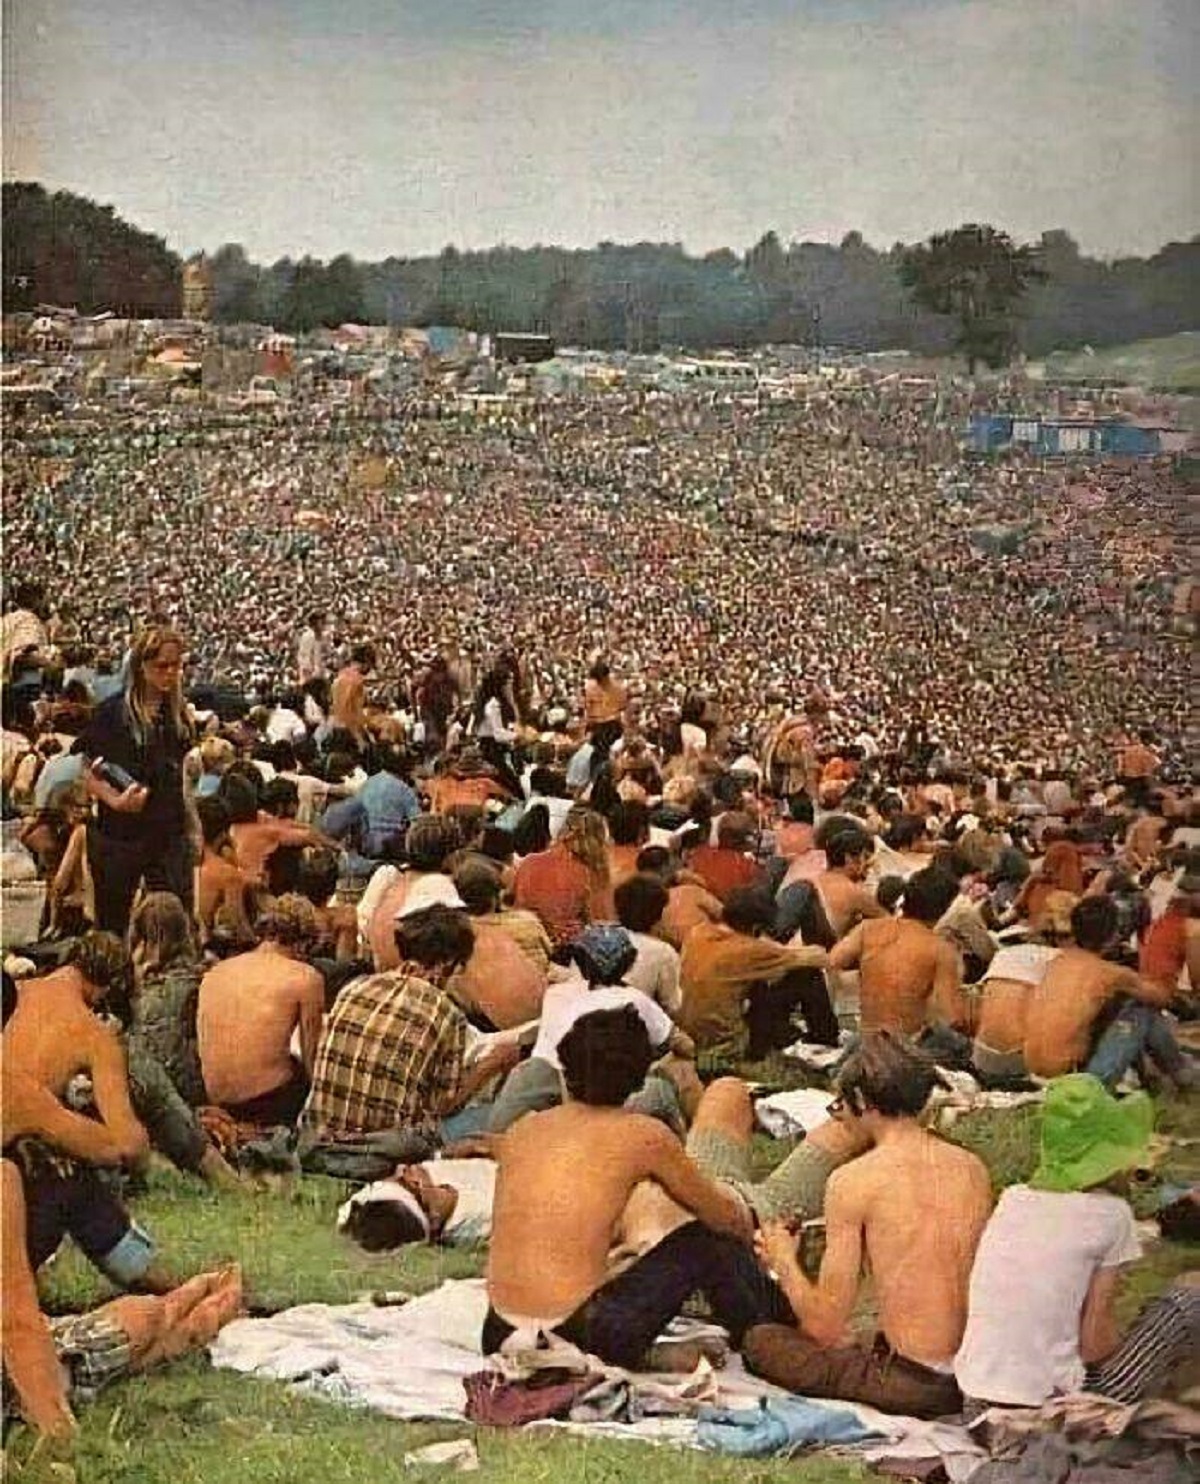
(223, 890)
(256, 834)
(500, 986)
(998, 1054)
(915, 1206)
(1092, 1015)
(840, 886)
(53, 1035)
(910, 978)
(565, 1178)
(249, 1008)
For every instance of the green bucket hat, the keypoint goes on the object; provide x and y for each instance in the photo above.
(1088, 1135)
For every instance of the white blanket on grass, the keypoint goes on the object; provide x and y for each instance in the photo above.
(409, 1363)
(791, 1115)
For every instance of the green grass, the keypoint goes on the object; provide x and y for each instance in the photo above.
(1170, 363)
(192, 1425)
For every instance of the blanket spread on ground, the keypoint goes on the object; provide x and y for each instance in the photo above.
(409, 1363)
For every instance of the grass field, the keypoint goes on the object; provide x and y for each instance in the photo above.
(1170, 363)
(193, 1425)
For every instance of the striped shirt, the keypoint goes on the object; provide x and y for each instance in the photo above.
(390, 1056)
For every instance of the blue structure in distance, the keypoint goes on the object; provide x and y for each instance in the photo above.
(994, 432)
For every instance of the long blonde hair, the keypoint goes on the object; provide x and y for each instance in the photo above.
(160, 933)
(585, 835)
(148, 643)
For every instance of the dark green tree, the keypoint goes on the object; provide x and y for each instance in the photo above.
(979, 276)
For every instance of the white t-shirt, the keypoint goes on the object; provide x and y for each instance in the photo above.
(283, 725)
(567, 1002)
(1035, 1264)
(1023, 963)
(655, 971)
(470, 1222)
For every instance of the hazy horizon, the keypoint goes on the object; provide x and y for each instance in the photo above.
(394, 127)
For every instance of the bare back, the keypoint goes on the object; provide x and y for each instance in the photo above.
(564, 1180)
(1003, 1013)
(1063, 1009)
(897, 971)
(248, 1009)
(923, 1204)
(52, 1034)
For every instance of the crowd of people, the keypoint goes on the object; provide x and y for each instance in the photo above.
(742, 550)
(514, 806)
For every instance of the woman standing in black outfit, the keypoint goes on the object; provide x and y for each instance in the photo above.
(135, 744)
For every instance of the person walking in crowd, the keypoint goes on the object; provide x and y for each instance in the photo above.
(135, 745)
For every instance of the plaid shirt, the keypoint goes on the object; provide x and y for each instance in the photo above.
(391, 1056)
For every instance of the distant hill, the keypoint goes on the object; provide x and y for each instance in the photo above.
(1169, 364)
(66, 250)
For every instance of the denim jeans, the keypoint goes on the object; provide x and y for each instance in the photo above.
(1135, 1031)
(622, 1319)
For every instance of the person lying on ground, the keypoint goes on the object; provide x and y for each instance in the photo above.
(250, 1007)
(565, 1177)
(914, 1204)
(1041, 1318)
(440, 1200)
(1092, 1015)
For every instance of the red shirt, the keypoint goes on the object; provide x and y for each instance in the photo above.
(560, 889)
(1164, 949)
(723, 870)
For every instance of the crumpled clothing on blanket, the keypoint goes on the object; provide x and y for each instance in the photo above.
(792, 1115)
(1050, 1458)
(633, 1399)
(778, 1427)
(495, 1401)
(963, 1094)
(1084, 1415)
(917, 1449)
(817, 1058)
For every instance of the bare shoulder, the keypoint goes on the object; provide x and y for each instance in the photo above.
(967, 1166)
(310, 984)
(859, 1180)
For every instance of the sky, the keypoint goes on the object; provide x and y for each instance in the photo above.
(382, 127)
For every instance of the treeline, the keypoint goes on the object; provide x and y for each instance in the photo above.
(67, 250)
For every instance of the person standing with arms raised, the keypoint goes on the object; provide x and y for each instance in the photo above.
(135, 745)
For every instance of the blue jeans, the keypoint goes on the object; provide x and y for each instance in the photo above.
(1135, 1031)
(466, 1123)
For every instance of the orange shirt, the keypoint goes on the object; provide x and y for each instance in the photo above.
(717, 968)
(450, 793)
